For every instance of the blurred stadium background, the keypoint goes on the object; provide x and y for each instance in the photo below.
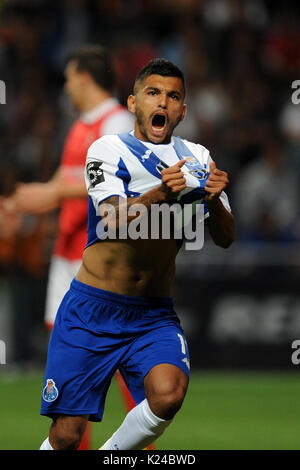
(240, 307)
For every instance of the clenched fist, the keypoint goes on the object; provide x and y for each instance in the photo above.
(173, 179)
(216, 182)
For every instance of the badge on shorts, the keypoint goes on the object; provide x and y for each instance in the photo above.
(50, 392)
(94, 173)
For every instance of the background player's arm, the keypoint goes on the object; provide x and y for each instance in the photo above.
(221, 221)
(115, 208)
(41, 198)
(66, 183)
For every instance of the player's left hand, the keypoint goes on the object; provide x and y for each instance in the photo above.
(216, 183)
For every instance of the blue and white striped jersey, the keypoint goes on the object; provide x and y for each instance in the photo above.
(122, 165)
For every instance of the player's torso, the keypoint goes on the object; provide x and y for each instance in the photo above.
(139, 267)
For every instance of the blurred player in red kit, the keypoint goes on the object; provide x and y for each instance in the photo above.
(90, 83)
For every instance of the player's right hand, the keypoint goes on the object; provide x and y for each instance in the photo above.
(173, 179)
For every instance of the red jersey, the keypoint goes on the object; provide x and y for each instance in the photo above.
(108, 118)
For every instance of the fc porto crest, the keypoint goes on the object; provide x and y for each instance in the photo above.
(195, 168)
(192, 161)
(50, 392)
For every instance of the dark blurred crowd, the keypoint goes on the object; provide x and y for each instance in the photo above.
(240, 58)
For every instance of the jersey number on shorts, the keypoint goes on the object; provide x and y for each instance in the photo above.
(184, 350)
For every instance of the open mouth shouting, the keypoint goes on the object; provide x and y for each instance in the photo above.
(159, 124)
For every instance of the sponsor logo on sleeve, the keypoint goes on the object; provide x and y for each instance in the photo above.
(95, 173)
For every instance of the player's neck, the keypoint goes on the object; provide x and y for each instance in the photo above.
(94, 97)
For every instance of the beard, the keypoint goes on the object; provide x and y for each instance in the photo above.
(141, 121)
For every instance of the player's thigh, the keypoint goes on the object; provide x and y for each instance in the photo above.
(80, 363)
(78, 372)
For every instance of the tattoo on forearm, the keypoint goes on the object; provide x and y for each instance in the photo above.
(117, 206)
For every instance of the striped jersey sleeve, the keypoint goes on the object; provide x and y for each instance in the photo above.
(101, 172)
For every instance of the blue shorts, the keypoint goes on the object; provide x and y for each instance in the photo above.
(97, 332)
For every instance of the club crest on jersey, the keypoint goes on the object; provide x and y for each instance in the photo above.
(95, 173)
(50, 392)
(192, 161)
(195, 168)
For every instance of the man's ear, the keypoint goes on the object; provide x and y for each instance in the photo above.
(131, 103)
(183, 112)
(85, 78)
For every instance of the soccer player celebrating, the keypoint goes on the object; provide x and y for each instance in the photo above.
(118, 313)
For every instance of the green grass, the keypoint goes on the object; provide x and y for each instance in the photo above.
(221, 411)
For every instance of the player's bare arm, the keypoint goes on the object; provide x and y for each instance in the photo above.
(221, 221)
(173, 181)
